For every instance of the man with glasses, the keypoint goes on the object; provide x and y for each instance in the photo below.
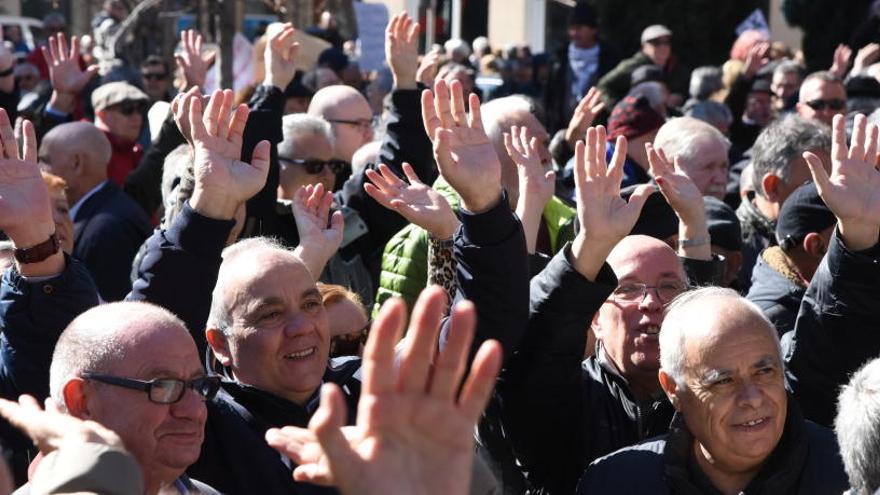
(822, 96)
(155, 75)
(119, 112)
(134, 368)
(350, 117)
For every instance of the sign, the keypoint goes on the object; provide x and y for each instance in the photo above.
(371, 21)
(756, 21)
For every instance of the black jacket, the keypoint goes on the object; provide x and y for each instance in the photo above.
(759, 233)
(108, 230)
(558, 411)
(775, 291)
(836, 329)
(806, 461)
(558, 102)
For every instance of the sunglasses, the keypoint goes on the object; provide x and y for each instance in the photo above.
(314, 167)
(819, 105)
(162, 390)
(349, 344)
(154, 76)
(128, 108)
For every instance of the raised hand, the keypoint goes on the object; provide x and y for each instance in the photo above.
(841, 60)
(464, 154)
(402, 50)
(67, 79)
(852, 190)
(51, 429)
(866, 56)
(427, 70)
(414, 431)
(417, 202)
(191, 61)
(584, 114)
(686, 199)
(280, 56)
(180, 110)
(222, 181)
(536, 183)
(605, 218)
(317, 242)
(756, 58)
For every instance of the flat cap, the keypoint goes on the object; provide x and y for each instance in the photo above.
(115, 93)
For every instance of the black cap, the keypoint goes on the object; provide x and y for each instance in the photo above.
(724, 228)
(801, 213)
(333, 58)
(646, 73)
(583, 14)
(657, 219)
(761, 86)
(862, 86)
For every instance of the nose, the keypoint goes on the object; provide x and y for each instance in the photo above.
(651, 300)
(749, 395)
(297, 325)
(190, 406)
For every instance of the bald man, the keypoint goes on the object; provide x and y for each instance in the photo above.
(108, 226)
(350, 117)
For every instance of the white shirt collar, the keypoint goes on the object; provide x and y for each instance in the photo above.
(75, 208)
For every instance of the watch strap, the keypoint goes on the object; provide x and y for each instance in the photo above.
(39, 252)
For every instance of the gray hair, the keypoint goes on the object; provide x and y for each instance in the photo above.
(495, 114)
(297, 124)
(178, 182)
(678, 137)
(673, 336)
(655, 93)
(781, 142)
(95, 340)
(858, 428)
(822, 75)
(457, 47)
(705, 81)
(218, 316)
(787, 66)
(712, 112)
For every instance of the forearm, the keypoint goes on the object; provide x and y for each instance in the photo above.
(588, 254)
(693, 239)
(313, 258)
(530, 215)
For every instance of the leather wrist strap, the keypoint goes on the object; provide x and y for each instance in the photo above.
(38, 253)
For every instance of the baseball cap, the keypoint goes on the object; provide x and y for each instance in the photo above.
(655, 31)
(801, 213)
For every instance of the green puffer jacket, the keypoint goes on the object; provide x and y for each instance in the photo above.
(405, 259)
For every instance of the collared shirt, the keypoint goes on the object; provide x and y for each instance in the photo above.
(75, 208)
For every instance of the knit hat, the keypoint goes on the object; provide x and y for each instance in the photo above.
(724, 228)
(802, 212)
(633, 117)
(582, 15)
(657, 219)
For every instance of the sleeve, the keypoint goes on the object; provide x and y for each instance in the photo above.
(144, 183)
(738, 95)
(93, 466)
(107, 245)
(540, 390)
(264, 123)
(441, 265)
(32, 316)
(180, 266)
(835, 331)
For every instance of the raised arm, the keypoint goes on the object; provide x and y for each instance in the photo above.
(536, 184)
(67, 79)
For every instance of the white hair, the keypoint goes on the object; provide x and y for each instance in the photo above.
(457, 47)
(297, 124)
(674, 330)
(858, 428)
(678, 138)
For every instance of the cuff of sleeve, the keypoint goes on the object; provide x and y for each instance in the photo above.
(198, 234)
(489, 227)
(838, 253)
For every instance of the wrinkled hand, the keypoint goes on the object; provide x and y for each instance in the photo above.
(584, 114)
(852, 190)
(51, 429)
(464, 154)
(679, 190)
(414, 431)
(841, 60)
(317, 242)
(536, 183)
(180, 110)
(866, 56)
(25, 211)
(222, 180)
(402, 50)
(428, 67)
(64, 72)
(280, 57)
(756, 58)
(192, 61)
(416, 202)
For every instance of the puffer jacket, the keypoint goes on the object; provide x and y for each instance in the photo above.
(405, 259)
(777, 289)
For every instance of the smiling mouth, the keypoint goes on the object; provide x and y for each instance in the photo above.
(651, 330)
(754, 423)
(303, 354)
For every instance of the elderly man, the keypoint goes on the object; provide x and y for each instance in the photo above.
(778, 168)
(735, 430)
(119, 113)
(134, 368)
(856, 429)
(700, 150)
(822, 96)
(108, 226)
(349, 115)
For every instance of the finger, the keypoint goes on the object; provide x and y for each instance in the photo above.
(316, 474)
(871, 146)
(47, 55)
(62, 46)
(598, 108)
(226, 114)
(458, 113)
(74, 47)
(601, 139)
(391, 30)
(508, 145)
(324, 208)
(518, 139)
(378, 361)
(479, 383)
(617, 161)
(260, 158)
(476, 120)
(817, 170)
(7, 136)
(421, 340)
(380, 196)
(839, 151)
(580, 168)
(196, 124)
(413, 34)
(337, 222)
(442, 103)
(292, 52)
(296, 443)
(197, 42)
(212, 112)
(30, 147)
(451, 362)
(410, 174)
(327, 423)
(237, 125)
(429, 114)
(390, 177)
(638, 198)
(590, 158)
(379, 181)
(857, 145)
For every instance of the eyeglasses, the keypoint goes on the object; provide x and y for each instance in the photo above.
(819, 105)
(154, 76)
(666, 291)
(349, 344)
(364, 123)
(315, 167)
(162, 390)
(128, 108)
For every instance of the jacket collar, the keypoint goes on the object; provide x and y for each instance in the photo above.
(755, 223)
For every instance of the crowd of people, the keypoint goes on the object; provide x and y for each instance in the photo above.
(472, 272)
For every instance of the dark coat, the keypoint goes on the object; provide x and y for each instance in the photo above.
(108, 230)
(774, 290)
(558, 104)
(759, 233)
(806, 461)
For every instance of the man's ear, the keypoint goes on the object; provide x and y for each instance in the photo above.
(594, 326)
(814, 245)
(76, 398)
(219, 345)
(667, 383)
(770, 183)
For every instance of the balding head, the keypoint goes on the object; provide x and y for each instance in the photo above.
(78, 152)
(701, 150)
(349, 115)
(633, 250)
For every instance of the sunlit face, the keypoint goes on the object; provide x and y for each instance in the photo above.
(279, 337)
(582, 36)
(734, 400)
(123, 121)
(822, 100)
(61, 217)
(658, 50)
(351, 124)
(708, 168)
(629, 331)
(785, 84)
(306, 146)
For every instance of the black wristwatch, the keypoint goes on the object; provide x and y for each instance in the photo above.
(39, 252)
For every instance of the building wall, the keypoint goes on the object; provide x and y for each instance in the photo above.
(517, 22)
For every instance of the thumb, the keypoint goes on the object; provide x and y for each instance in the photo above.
(260, 157)
(639, 197)
(327, 423)
(337, 223)
(817, 170)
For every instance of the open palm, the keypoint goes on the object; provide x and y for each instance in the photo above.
(64, 71)
(417, 202)
(24, 197)
(679, 190)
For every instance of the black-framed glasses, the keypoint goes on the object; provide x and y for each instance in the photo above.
(162, 390)
(314, 166)
(364, 123)
(128, 108)
(666, 291)
(349, 344)
(834, 104)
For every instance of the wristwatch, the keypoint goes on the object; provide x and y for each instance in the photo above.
(39, 252)
(700, 241)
